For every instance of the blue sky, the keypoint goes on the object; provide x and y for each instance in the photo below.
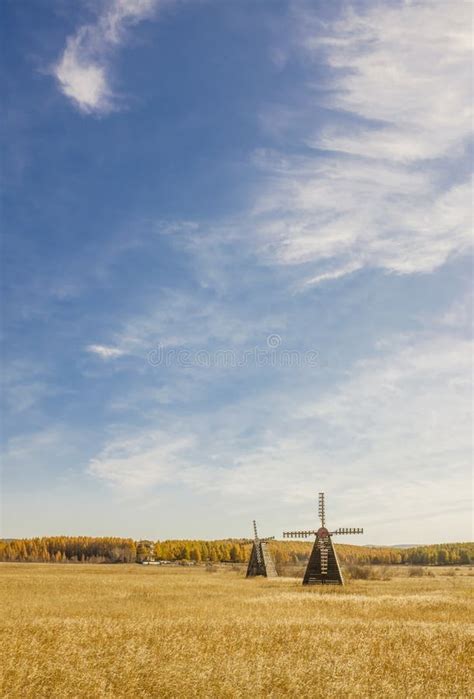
(280, 183)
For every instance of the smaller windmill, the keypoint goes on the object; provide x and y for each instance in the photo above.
(261, 562)
(323, 566)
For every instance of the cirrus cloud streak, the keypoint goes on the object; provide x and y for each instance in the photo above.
(383, 182)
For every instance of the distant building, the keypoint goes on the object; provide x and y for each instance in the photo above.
(146, 552)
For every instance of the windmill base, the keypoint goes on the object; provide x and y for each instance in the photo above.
(261, 564)
(323, 566)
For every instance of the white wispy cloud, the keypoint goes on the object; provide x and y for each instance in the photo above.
(25, 383)
(178, 318)
(415, 83)
(149, 459)
(398, 421)
(45, 455)
(382, 186)
(105, 352)
(83, 71)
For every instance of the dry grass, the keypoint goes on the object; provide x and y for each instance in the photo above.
(132, 631)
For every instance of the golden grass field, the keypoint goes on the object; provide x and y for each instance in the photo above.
(134, 631)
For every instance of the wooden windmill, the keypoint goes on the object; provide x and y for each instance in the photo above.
(323, 566)
(261, 562)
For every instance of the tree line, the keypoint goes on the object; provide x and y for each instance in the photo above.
(86, 549)
(59, 549)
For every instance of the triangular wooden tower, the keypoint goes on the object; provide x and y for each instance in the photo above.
(323, 566)
(261, 562)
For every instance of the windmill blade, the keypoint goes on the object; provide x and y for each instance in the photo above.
(298, 535)
(349, 530)
(322, 509)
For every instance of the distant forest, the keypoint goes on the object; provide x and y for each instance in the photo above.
(84, 549)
